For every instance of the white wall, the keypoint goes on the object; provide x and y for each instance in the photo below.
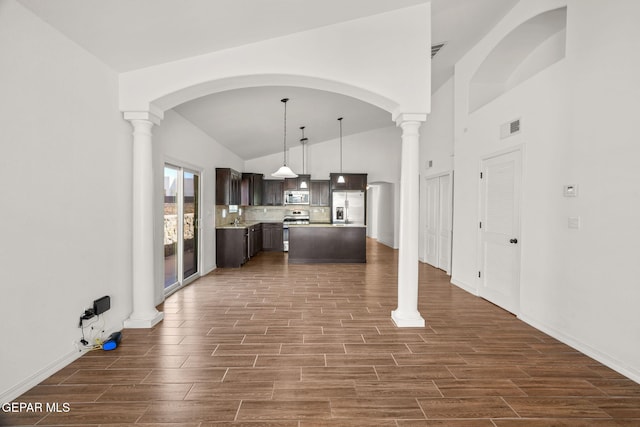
(376, 152)
(604, 270)
(577, 285)
(179, 142)
(379, 59)
(65, 165)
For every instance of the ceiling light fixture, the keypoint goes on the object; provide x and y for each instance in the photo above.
(341, 177)
(303, 141)
(284, 171)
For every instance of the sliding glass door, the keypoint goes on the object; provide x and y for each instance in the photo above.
(181, 226)
(170, 226)
(190, 224)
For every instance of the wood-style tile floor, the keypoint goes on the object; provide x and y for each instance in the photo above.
(272, 344)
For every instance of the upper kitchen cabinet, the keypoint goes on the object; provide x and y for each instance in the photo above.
(251, 193)
(353, 181)
(319, 193)
(297, 183)
(272, 192)
(228, 186)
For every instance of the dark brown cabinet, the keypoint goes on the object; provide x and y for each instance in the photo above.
(254, 239)
(272, 192)
(353, 181)
(296, 183)
(231, 247)
(251, 189)
(327, 245)
(228, 186)
(319, 193)
(272, 237)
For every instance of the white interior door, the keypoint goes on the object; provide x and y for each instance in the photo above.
(432, 189)
(500, 230)
(438, 192)
(445, 222)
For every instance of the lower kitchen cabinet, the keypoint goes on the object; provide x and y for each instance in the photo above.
(231, 247)
(272, 237)
(255, 239)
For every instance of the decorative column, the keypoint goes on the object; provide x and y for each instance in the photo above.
(407, 315)
(144, 314)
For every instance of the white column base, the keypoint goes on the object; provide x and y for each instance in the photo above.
(144, 323)
(407, 320)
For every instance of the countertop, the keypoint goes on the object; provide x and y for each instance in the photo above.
(325, 225)
(246, 224)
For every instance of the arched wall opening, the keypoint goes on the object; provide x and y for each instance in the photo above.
(182, 95)
(528, 49)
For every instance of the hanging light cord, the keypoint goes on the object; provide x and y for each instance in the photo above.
(284, 151)
(303, 141)
(340, 120)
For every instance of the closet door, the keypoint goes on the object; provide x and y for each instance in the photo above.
(431, 223)
(438, 221)
(445, 220)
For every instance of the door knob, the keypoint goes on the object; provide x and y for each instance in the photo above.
(513, 241)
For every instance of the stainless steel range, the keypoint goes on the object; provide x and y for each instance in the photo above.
(294, 217)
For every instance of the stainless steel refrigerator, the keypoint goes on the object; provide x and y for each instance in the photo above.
(348, 207)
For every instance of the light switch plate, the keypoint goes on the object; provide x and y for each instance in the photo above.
(574, 222)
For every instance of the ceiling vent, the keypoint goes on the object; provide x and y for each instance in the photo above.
(436, 48)
(510, 128)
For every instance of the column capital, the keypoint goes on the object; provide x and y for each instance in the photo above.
(154, 118)
(401, 118)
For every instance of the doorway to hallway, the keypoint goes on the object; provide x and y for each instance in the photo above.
(181, 226)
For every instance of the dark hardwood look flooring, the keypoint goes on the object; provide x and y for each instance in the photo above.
(278, 345)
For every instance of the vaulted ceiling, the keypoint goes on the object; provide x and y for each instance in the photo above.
(127, 35)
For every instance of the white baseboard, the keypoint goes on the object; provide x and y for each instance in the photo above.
(464, 286)
(390, 244)
(607, 360)
(601, 357)
(35, 379)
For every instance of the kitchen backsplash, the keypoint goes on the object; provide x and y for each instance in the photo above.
(270, 213)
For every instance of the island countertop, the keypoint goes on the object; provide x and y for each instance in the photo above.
(326, 225)
(246, 224)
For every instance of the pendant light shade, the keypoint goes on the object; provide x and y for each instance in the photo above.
(284, 171)
(303, 141)
(340, 177)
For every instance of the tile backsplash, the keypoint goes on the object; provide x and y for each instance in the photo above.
(269, 213)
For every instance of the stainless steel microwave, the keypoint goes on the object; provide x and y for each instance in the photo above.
(297, 197)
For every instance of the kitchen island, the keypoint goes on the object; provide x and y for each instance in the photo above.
(327, 243)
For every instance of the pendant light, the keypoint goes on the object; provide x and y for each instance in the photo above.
(284, 171)
(303, 141)
(340, 177)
